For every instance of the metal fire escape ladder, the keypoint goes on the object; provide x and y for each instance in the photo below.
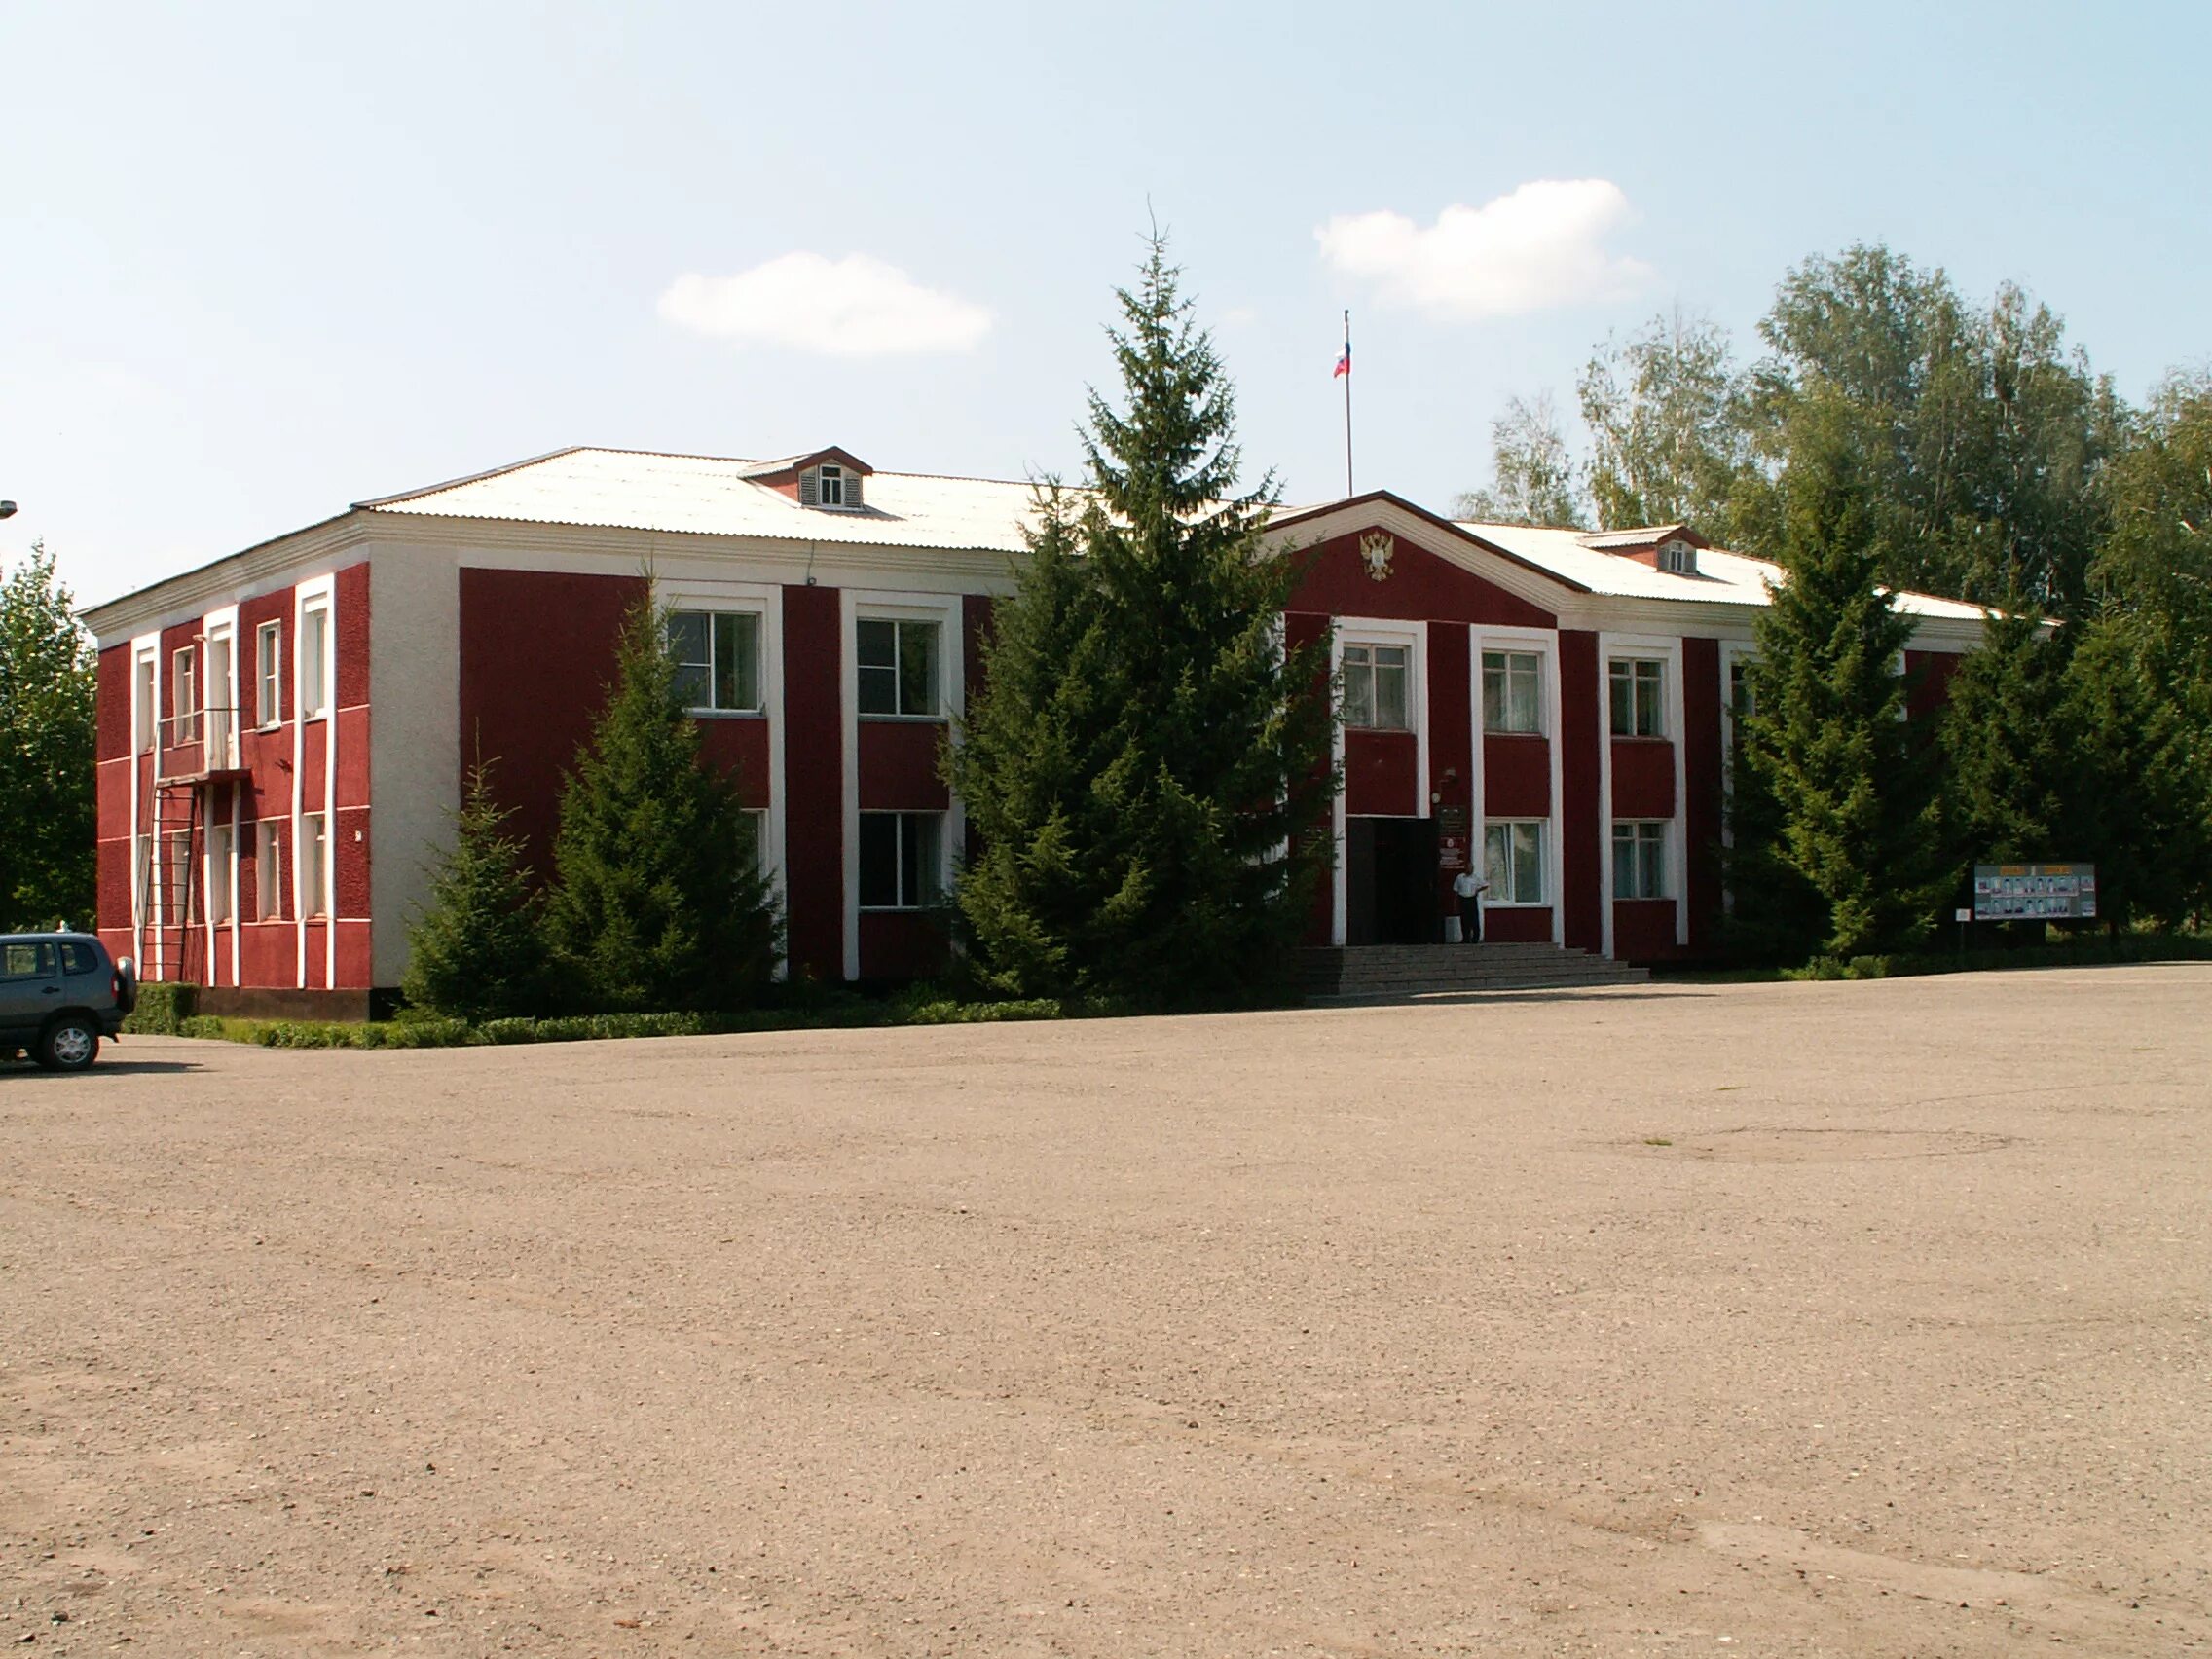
(170, 899)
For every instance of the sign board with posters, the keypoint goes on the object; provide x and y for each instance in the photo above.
(1452, 843)
(2034, 892)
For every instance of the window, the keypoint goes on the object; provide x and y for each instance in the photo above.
(314, 853)
(142, 702)
(1678, 558)
(1375, 687)
(753, 839)
(717, 660)
(1639, 860)
(184, 712)
(268, 669)
(1636, 683)
(219, 871)
(220, 710)
(898, 667)
(1740, 705)
(1511, 698)
(79, 958)
(832, 487)
(176, 875)
(1513, 858)
(899, 860)
(26, 961)
(314, 663)
(268, 872)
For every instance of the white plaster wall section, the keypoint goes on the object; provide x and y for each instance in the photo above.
(414, 739)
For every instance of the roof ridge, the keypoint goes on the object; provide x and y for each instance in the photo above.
(470, 478)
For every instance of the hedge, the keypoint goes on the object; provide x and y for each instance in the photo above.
(161, 1010)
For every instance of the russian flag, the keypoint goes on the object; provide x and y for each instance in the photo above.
(1343, 363)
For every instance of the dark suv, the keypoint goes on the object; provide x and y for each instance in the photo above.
(59, 994)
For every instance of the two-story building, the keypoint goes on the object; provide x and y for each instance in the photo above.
(284, 732)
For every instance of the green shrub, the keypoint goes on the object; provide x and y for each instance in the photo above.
(947, 1012)
(204, 1025)
(163, 1008)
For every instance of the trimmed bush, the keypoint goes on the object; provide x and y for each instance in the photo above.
(163, 1008)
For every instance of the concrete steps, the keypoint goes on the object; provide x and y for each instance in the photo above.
(1389, 972)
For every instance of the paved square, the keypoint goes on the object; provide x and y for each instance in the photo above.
(1835, 1319)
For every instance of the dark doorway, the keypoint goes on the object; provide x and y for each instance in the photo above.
(1390, 881)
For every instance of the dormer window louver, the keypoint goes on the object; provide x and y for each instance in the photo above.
(831, 486)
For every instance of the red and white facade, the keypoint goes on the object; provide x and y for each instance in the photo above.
(283, 733)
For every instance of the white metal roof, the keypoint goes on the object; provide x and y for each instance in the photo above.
(703, 495)
(1721, 578)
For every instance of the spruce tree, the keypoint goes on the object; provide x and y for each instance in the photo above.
(1147, 767)
(658, 904)
(2010, 772)
(476, 951)
(1828, 733)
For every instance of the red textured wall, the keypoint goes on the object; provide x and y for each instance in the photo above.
(1451, 735)
(903, 944)
(352, 670)
(1516, 776)
(1380, 768)
(349, 871)
(899, 766)
(1421, 587)
(1643, 930)
(739, 744)
(814, 784)
(1304, 630)
(1927, 680)
(1531, 925)
(315, 748)
(537, 652)
(1701, 780)
(111, 730)
(1580, 867)
(1643, 778)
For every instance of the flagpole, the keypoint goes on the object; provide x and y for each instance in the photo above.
(1348, 403)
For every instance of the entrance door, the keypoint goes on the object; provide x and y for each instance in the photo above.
(1390, 881)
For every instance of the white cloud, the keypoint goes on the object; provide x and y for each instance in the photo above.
(855, 306)
(1539, 247)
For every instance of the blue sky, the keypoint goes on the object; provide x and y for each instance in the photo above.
(266, 260)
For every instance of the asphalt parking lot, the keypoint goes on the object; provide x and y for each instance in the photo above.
(1805, 1319)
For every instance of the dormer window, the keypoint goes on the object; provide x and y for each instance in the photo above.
(1678, 558)
(831, 485)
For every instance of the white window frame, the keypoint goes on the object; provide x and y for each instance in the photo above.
(310, 867)
(268, 870)
(1633, 662)
(931, 620)
(315, 623)
(766, 602)
(757, 613)
(1485, 649)
(219, 715)
(220, 878)
(1544, 645)
(1676, 557)
(1377, 631)
(1668, 649)
(269, 675)
(145, 698)
(858, 605)
(1542, 826)
(908, 902)
(184, 687)
(1665, 837)
(829, 478)
(1373, 670)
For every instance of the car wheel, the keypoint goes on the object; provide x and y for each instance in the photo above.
(70, 1043)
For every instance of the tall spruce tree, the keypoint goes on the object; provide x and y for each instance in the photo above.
(47, 698)
(658, 902)
(1849, 775)
(477, 951)
(1147, 765)
(2011, 775)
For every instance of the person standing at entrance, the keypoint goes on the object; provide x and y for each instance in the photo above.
(1468, 888)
